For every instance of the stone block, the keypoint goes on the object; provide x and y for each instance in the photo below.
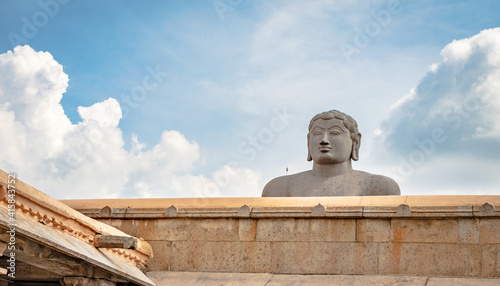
(498, 261)
(165, 229)
(430, 259)
(489, 260)
(306, 230)
(129, 226)
(247, 229)
(223, 256)
(468, 230)
(425, 230)
(214, 230)
(324, 258)
(162, 260)
(189, 229)
(373, 230)
(489, 230)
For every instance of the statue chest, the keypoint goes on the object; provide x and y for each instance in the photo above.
(328, 187)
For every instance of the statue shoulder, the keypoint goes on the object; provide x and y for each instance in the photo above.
(277, 187)
(379, 185)
(282, 186)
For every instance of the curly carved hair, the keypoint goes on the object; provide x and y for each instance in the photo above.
(349, 122)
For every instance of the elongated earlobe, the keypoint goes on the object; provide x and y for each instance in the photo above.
(309, 157)
(356, 143)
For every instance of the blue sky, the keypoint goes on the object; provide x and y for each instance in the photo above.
(224, 69)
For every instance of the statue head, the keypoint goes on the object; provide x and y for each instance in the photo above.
(349, 125)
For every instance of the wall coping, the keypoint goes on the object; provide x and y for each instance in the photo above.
(435, 206)
(49, 213)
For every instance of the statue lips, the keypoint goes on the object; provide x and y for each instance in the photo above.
(325, 149)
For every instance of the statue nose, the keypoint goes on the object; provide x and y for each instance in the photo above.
(324, 140)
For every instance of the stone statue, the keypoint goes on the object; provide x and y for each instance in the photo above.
(333, 140)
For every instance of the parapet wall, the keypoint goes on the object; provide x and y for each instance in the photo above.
(414, 235)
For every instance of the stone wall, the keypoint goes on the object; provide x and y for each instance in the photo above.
(420, 235)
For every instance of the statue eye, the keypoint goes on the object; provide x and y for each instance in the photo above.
(317, 133)
(335, 132)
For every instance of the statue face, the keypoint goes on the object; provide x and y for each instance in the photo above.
(330, 142)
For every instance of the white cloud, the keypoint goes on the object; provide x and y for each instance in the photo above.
(88, 159)
(108, 113)
(444, 136)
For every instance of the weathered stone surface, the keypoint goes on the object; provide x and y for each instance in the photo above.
(433, 211)
(498, 261)
(324, 258)
(184, 229)
(163, 256)
(171, 211)
(244, 211)
(247, 229)
(403, 210)
(165, 229)
(128, 226)
(489, 230)
(486, 210)
(439, 281)
(164, 278)
(115, 241)
(221, 256)
(214, 230)
(373, 230)
(306, 230)
(345, 280)
(439, 237)
(344, 212)
(424, 230)
(430, 259)
(468, 230)
(318, 211)
(489, 261)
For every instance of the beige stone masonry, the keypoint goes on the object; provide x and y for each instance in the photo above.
(451, 236)
(306, 230)
(489, 231)
(424, 230)
(432, 259)
(247, 229)
(373, 230)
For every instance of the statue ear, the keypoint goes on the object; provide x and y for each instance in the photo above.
(356, 143)
(309, 157)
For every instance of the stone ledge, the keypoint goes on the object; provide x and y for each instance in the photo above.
(260, 279)
(303, 207)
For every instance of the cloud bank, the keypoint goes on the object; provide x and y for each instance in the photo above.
(88, 159)
(444, 135)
